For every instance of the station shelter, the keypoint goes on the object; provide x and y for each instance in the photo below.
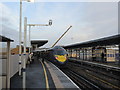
(5, 67)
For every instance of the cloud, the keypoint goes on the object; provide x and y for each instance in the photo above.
(9, 24)
(89, 20)
(103, 18)
(65, 0)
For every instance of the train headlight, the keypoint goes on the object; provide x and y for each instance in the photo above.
(56, 57)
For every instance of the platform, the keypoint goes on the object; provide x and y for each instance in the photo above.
(42, 75)
(112, 66)
(59, 78)
(35, 77)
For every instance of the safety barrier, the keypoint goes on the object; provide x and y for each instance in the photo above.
(14, 66)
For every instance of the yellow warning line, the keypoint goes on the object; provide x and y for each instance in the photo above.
(46, 78)
(104, 82)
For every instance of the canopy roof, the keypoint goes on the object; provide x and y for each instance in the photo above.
(39, 42)
(5, 39)
(112, 40)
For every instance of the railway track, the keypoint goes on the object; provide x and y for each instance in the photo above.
(100, 71)
(82, 82)
(87, 77)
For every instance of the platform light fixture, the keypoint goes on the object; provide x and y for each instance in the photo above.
(31, 0)
(50, 22)
(33, 25)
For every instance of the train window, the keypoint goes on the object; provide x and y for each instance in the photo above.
(113, 55)
(110, 55)
(117, 55)
(59, 52)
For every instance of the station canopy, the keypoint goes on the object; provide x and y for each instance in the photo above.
(39, 43)
(5, 39)
(112, 40)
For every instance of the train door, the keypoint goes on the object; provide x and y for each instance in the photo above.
(99, 54)
(112, 54)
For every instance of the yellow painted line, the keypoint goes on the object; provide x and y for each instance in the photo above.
(55, 78)
(104, 81)
(46, 78)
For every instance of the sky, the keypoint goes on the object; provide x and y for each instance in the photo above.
(90, 20)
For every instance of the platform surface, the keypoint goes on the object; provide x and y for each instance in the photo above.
(35, 77)
(59, 78)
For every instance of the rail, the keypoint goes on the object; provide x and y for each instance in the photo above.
(98, 64)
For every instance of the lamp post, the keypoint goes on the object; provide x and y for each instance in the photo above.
(29, 38)
(25, 38)
(24, 60)
(20, 33)
(30, 25)
(29, 44)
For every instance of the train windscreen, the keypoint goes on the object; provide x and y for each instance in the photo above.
(59, 52)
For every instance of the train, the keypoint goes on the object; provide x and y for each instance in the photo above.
(108, 54)
(57, 55)
(99, 54)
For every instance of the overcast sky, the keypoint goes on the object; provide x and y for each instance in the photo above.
(90, 20)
